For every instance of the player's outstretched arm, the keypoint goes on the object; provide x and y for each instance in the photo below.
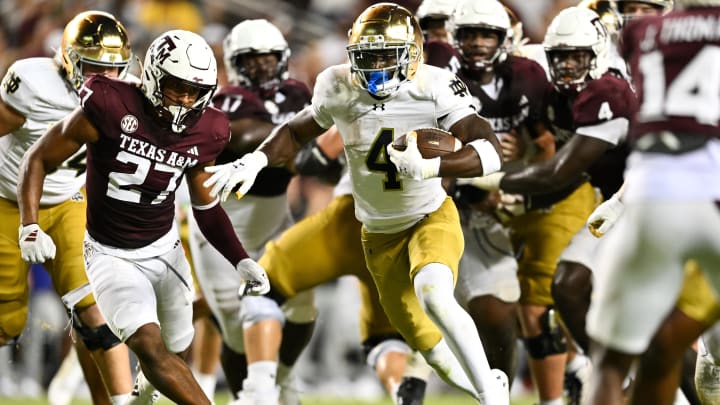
(566, 167)
(278, 149)
(218, 230)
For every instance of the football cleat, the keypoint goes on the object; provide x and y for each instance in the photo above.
(411, 391)
(143, 392)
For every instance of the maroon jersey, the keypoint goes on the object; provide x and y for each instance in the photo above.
(442, 54)
(675, 65)
(604, 99)
(137, 164)
(522, 97)
(240, 102)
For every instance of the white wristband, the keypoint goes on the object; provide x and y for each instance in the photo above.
(489, 157)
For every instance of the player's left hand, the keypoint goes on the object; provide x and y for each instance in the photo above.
(491, 182)
(510, 206)
(511, 145)
(605, 216)
(244, 171)
(253, 278)
(35, 245)
(410, 163)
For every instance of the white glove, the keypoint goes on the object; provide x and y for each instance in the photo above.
(35, 245)
(410, 163)
(605, 216)
(490, 182)
(510, 206)
(243, 170)
(253, 279)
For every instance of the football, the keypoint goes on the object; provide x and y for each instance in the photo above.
(431, 142)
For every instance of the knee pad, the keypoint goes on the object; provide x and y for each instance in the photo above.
(301, 308)
(179, 343)
(379, 345)
(258, 308)
(95, 338)
(550, 341)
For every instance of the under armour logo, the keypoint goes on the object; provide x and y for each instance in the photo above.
(379, 106)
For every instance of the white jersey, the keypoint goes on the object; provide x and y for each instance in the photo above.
(385, 202)
(35, 88)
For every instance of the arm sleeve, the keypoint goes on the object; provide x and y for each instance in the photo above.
(217, 229)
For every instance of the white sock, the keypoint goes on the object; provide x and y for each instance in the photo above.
(261, 376)
(119, 399)
(578, 362)
(207, 383)
(448, 368)
(417, 367)
(435, 291)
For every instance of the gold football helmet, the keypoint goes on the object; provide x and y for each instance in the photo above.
(385, 48)
(608, 12)
(94, 37)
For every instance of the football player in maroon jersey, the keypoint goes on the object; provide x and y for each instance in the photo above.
(591, 108)
(140, 143)
(512, 93)
(670, 201)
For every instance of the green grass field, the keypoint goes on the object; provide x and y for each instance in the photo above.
(223, 399)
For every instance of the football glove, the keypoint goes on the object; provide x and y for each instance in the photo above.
(35, 245)
(605, 216)
(491, 182)
(510, 206)
(244, 171)
(410, 163)
(253, 279)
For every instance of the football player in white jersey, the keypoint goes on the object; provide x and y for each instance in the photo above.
(411, 231)
(35, 94)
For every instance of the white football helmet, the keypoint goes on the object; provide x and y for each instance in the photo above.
(254, 37)
(576, 29)
(385, 48)
(482, 14)
(435, 10)
(662, 7)
(187, 57)
(96, 38)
